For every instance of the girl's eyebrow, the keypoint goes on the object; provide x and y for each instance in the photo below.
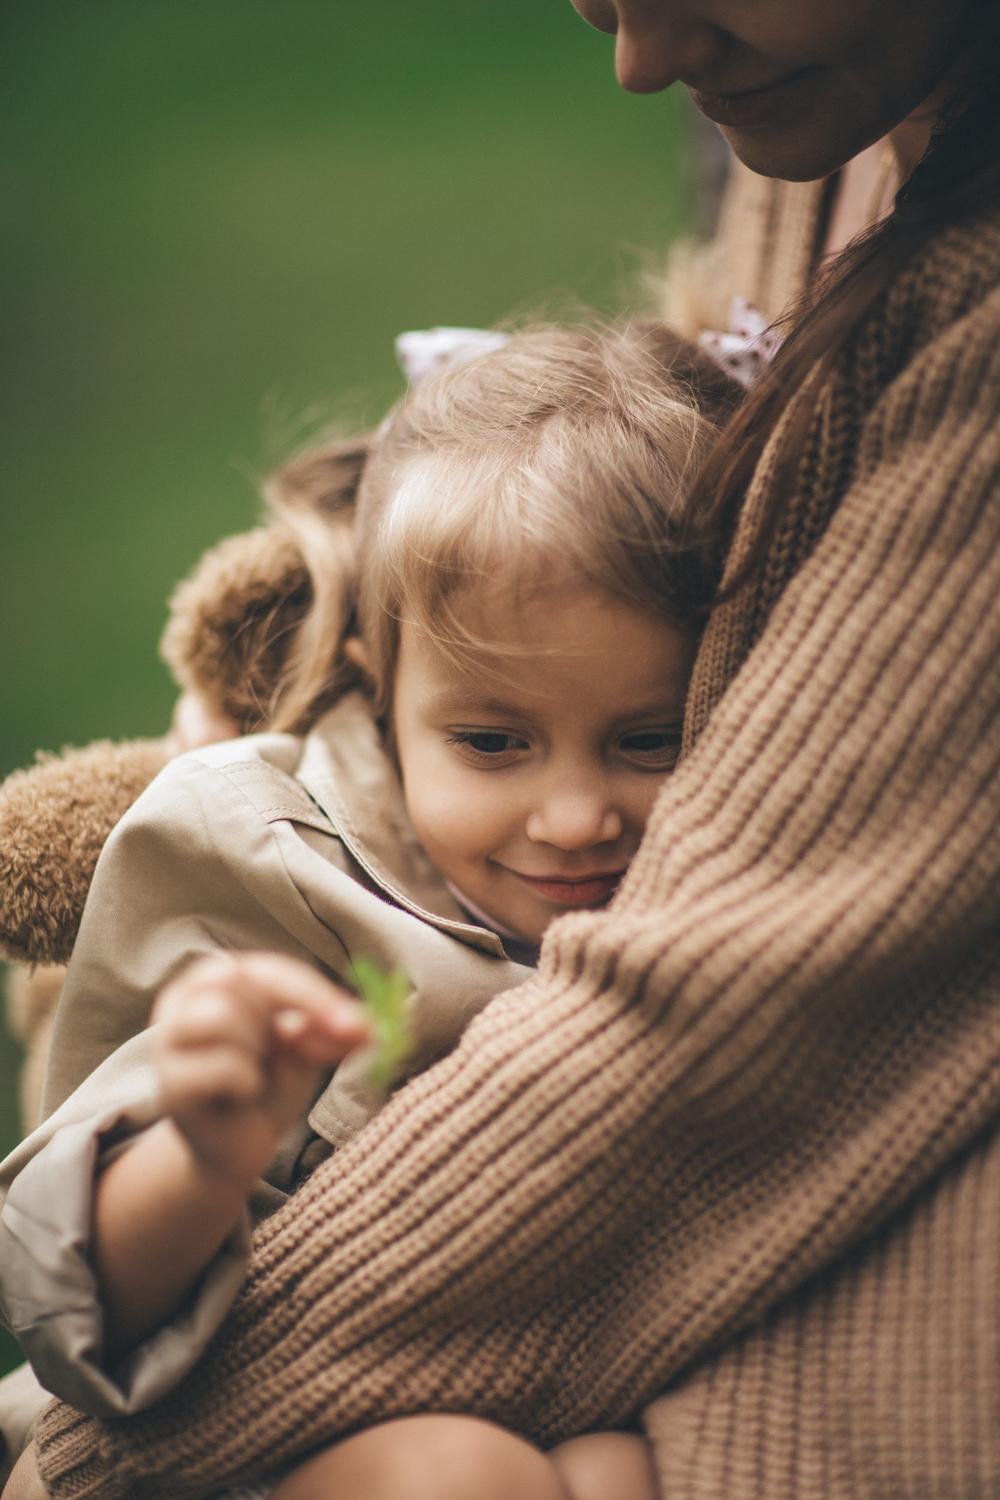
(451, 698)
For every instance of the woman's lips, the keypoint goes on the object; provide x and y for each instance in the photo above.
(578, 890)
(761, 106)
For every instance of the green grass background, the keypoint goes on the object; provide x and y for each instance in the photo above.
(216, 217)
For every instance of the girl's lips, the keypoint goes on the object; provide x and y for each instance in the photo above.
(580, 890)
(763, 106)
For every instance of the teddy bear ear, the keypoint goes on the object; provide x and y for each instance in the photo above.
(230, 628)
(233, 621)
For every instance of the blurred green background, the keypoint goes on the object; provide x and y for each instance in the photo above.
(217, 216)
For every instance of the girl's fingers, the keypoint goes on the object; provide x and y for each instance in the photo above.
(290, 1025)
(298, 1035)
(216, 1074)
(332, 1022)
(288, 983)
(206, 1016)
(251, 999)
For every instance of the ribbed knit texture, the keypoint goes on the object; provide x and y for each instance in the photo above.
(767, 241)
(728, 1158)
(876, 1382)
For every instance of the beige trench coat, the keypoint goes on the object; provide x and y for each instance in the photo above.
(299, 845)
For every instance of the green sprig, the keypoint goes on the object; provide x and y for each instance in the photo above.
(383, 994)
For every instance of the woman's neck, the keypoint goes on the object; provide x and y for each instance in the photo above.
(866, 187)
(911, 137)
(869, 183)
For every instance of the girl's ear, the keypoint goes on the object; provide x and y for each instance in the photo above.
(356, 652)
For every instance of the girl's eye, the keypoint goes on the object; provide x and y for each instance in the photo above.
(657, 748)
(486, 744)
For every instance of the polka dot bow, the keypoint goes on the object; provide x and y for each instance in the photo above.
(748, 346)
(428, 351)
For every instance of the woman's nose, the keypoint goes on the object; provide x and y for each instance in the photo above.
(574, 817)
(658, 42)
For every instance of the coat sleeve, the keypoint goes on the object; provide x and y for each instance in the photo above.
(784, 1026)
(49, 1294)
(191, 870)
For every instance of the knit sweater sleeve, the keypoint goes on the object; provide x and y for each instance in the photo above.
(781, 1028)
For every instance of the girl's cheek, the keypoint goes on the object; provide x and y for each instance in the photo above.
(447, 813)
(473, 819)
(645, 800)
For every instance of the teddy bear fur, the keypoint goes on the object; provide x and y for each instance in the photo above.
(230, 627)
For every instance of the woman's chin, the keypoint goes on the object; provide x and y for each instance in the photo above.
(771, 154)
(806, 154)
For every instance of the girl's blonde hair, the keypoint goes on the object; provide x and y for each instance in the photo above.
(565, 456)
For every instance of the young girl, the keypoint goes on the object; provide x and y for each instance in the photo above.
(507, 595)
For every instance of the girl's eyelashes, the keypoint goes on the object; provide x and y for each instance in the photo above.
(656, 748)
(653, 749)
(486, 745)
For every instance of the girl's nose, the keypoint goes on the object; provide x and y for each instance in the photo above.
(574, 818)
(660, 41)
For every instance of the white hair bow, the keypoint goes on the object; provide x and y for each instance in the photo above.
(747, 347)
(428, 351)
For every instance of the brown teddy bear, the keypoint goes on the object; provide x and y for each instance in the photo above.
(230, 626)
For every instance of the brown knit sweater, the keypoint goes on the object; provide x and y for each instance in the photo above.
(731, 1162)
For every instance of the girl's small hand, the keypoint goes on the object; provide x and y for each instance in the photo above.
(239, 1042)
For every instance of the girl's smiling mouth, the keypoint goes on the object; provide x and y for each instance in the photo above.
(573, 890)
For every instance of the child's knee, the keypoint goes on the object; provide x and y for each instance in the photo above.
(603, 1464)
(25, 1482)
(439, 1457)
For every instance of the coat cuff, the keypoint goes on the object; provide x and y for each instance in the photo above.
(51, 1293)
